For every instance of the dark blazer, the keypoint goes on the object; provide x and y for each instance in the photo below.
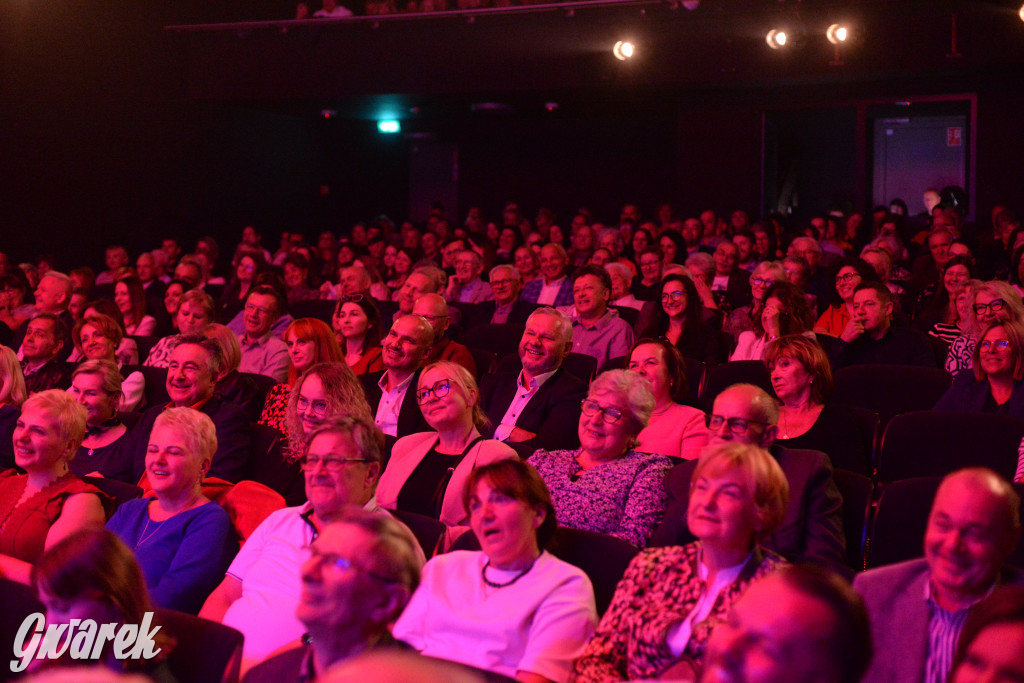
(737, 292)
(894, 596)
(532, 289)
(230, 462)
(969, 395)
(521, 310)
(553, 414)
(898, 346)
(812, 528)
(410, 418)
(55, 374)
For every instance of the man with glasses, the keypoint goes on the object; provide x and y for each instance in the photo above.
(435, 310)
(871, 338)
(536, 406)
(812, 529)
(465, 286)
(507, 306)
(731, 285)
(264, 586)
(263, 353)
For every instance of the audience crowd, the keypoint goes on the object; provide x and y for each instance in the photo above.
(439, 440)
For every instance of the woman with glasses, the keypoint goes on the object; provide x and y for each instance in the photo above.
(684, 322)
(989, 302)
(849, 272)
(605, 485)
(357, 327)
(511, 607)
(183, 540)
(427, 471)
(938, 312)
(996, 384)
(105, 451)
(741, 319)
(672, 598)
(309, 341)
(785, 312)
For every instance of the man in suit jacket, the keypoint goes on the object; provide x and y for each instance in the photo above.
(539, 405)
(191, 379)
(918, 608)
(391, 392)
(554, 288)
(812, 528)
(507, 306)
(731, 285)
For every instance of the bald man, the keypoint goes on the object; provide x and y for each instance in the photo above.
(434, 309)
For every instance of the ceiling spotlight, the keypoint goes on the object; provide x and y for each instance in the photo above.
(776, 39)
(623, 50)
(836, 33)
(1021, 13)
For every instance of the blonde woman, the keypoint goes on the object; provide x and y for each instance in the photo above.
(12, 395)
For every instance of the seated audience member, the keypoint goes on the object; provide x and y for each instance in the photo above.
(130, 299)
(12, 395)
(731, 284)
(262, 352)
(621, 280)
(990, 301)
(233, 386)
(434, 309)
(344, 615)
(192, 374)
(785, 311)
(52, 295)
(527, 263)
(507, 306)
(248, 265)
(673, 249)
(466, 286)
(116, 259)
(46, 336)
(263, 586)
(511, 607)
(671, 599)
(938, 315)
(598, 330)
(97, 338)
(818, 281)
(126, 352)
(683, 321)
(646, 287)
(183, 540)
(800, 623)
(332, 9)
(13, 309)
(309, 341)
(871, 338)
(420, 282)
(605, 486)
(426, 471)
(850, 272)
(996, 383)
(49, 502)
(92, 575)
(741, 319)
(106, 450)
(531, 407)
(388, 393)
(812, 529)
(195, 312)
(675, 430)
(991, 644)
(880, 259)
(918, 607)
(553, 288)
(297, 279)
(357, 328)
(808, 419)
(172, 300)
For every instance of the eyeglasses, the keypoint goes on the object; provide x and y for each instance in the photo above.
(310, 462)
(350, 299)
(610, 414)
(737, 425)
(846, 278)
(439, 390)
(343, 563)
(253, 308)
(762, 281)
(999, 345)
(500, 283)
(995, 306)
(673, 296)
(318, 408)
(432, 318)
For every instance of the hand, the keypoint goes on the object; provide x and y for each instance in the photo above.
(706, 297)
(853, 330)
(519, 435)
(770, 320)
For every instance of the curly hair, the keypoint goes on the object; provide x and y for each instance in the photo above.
(344, 395)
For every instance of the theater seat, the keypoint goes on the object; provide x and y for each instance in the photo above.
(857, 491)
(890, 389)
(204, 651)
(723, 376)
(427, 530)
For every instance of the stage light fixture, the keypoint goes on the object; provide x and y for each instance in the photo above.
(776, 39)
(623, 50)
(391, 126)
(836, 33)
(1021, 13)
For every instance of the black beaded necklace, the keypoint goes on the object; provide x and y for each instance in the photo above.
(492, 584)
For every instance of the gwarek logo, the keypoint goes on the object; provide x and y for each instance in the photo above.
(82, 639)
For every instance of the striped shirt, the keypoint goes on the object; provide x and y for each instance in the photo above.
(943, 633)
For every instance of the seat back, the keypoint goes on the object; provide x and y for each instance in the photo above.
(580, 365)
(486, 362)
(721, 377)
(264, 384)
(602, 558)
(145, 344)
(270, 468)
(930, 444)
(204, 651)
(119, 491)
(427, 530)
(890, 389)
(502, 340)
(155, 391)
(18, 602)
(321, 309)
(857, 491)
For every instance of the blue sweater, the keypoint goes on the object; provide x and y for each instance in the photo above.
(183, 558)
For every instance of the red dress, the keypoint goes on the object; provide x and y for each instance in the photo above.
(23, 528)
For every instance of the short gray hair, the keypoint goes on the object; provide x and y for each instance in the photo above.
(620, 269)
(194, 428)
(635, 389)
(512, 271)
(366, 435)
(565, 325)
(436, 275)
(701, 260)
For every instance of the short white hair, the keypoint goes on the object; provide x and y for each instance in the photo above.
(565, 325)
(511, 270)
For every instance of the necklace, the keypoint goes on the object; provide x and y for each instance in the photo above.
(493, 584)
(143, 537)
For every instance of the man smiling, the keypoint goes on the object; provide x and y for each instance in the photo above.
(597, 330)
(554, 288)
(262, 352)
